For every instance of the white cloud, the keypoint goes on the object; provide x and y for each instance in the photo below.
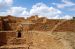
(66, 3)
(44, 10)
(66, 17)
(71, 9)
(4, 3)
(40, 9)
(62, 17)
(17, 11)
(3, 14)
(9, 2)
(37, 9)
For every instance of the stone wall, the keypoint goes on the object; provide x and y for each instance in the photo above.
(38, 35)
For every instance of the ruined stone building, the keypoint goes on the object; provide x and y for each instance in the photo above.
(36, 33)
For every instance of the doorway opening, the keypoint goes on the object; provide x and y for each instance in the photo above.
(19, 34)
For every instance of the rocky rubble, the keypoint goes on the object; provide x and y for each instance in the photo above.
(38, 32)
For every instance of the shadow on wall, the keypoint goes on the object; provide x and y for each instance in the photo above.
(3, 40)
(5, 23)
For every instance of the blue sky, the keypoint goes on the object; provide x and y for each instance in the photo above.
(30, 3)
(55, 9)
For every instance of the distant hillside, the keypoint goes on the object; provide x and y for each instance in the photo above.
(41, 23)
